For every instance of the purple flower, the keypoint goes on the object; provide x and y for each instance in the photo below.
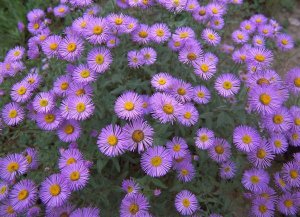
(280, 182)
(260, 57)
(255, 179)
(69, 157)
(99, 59)
(129, 106)
(183, 34)
(33, 79)
(291, 174)
(278, 143)
(61, 85)
(134, 205)
(246, 138)
(97, 30)
(182, 90)
(211, 37)
(162, 81)
(186, 202)
(35, 14)
(43, 102)
(201, 95)
(15, 53)
(70, 48)
(240, 37)
(86, 211)
(279, 121)
(79, 90)
(160, 32)
(12, 114)
(248, 26)
(186, 172)
(262, 208)
(135, 59)
(61, 10)
(262, 156)
(189, 115)
(81, 3)
(177, 147)
(112, 141)
(149, 55)
(81, 108)
(50, 46)
(258, 41)
(138, 135)
(12, 166)
(288, 204)
(156, 161)
(141, 34)
(54, 190)
(83, 75)
(23, 195)
(190, 54)
(7, 210)
(204, 68)
(204, 138)
(69, 131)
(220, 151)
(227, 170)
(21, 92)
(284, 42)
(77, 175)
(293, 81)
(65, 209)
(4, 189)
(227, 85)
(130, 186)
(31, 156)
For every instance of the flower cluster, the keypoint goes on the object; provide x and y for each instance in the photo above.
(86, 47)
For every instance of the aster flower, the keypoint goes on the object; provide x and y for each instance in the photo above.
(220, 151)
(34, 211)
(267, 193)
(293, 81)
(112, 141)
(259, 19)
(211, 37)
(12, 114)
(200, 14)
(178, 162)
(149, 55)
(49, 120)
(134, 205)
(177, 147)
(255, 179)
(288, 204)
(240, 55)
(162, 81)
(204, 68)
(138, 135)
(65, 209)
(175, 44)
(69, 157)
(266, 30)
(12, 166)
(227, 85)
(70, 48)
(83, 75)
(31, 156)
(262, 208)
(175, 6)
(86, 211)
(186, 202)
(43, 102)
(248, 26)
(93, 10)
(165, 107)
(181, 90)
(284, 42)
(80, 24)
(99, 59)
(240, 37)
(77, 175)
(291, 174)
(21, 92)
(15, 53)
(7, 210)
(112, 42)
(156, 161)
(260, 57)
(278, 143)
(33, 79)
(246, 138)
(54, 190)
(263, 78)
(262, 156)
(69, 131)
(279, 120)
(23, 195)
(4, 189)
(130, 186)
(183, 33)
(131, 24)
(129, 106)
(280, 182)
(97, 30)
(61, 85)
(36, 27)
(81, 3)
(264, 99)
(204, 138)
(186, 172)
(294, 137)
(61, 10)
(79, 90)
(50, 46)
(81, 107)
(35, 14)
(227, 170)
(295, 112)
(160, 32)
(135, 59)
(191, 5)
(201, 95)
(189, 53)
(258, 41)
(117, 22)
(141, 34)
(189, 115)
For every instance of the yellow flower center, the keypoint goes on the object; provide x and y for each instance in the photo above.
(263, 208)
(192, 56)
(69, 129)
(10, 210)
(23, 194)
(80, 92)
(227, 85)
(201, 94)
(12, 167)
(49, 118)
(203, 138)
(64, 86)
(119, 21)
(288, 203)
(215, 11)
(263, 81)
(247, 139)
(177, 43)
(70, 161)
(297, 82)
(112, 140)
(265, 99)
(138, 135)
(176, 147)
(61, 10)
(129, 106)
(83, 24)
(277, 143)
(30, 80)
(227, 169)
(219, 149)
(54, 190)
(85, 73)
(97, 30)
(3, 189)
(260, 57)
(129, 189)
(248, 27)
(99, 59)
(186, 202)
(265, 31)
(181, 91)
(80, 107)
(162, 81)
(297, 121)
(184, 35)
(240, 36)
(278, 119)
(133, 208)
(13, 113)
(28, 158)
(22, 90)
(44, 102)
(284, 41)
(145, 105)
(261, 153)
(187, 115)
(160, 32)
(36, 26)
(17, 53)
(211, 36)
(42, 37)
(143, 34)
(295, 136)
(184, 172)
(204, 67)
(294, 174)
(202, 12)
(243, 57)
(53, 46)
(75, 175)
(71, 47)
(254, 179)
(156, 161)
(168, 109)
